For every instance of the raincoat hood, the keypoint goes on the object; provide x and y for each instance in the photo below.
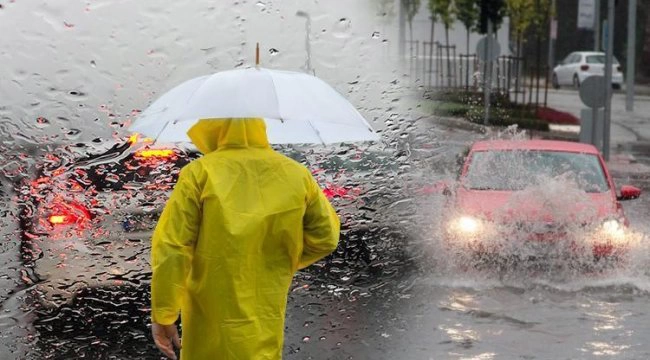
(209, 135)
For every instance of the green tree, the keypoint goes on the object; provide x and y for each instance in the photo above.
(467, 13)
(411, 8)
(492, 10)
(386, 10)
(522, 14)
(444, 11)
(433, 17)
(541, 16)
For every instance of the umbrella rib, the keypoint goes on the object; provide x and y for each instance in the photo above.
(160, 133)
(275, 93)
(317, 132)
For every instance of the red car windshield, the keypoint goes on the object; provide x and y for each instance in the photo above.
(512, 170)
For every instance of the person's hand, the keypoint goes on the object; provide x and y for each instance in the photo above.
(166, 337)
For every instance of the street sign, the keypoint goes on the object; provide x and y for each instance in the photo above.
(488, 49)
(554, 29)
(586, 14)
(592, 91)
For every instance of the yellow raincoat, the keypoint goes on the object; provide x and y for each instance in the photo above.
(239, 223)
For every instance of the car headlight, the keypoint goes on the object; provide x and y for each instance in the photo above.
(613, 229)
(466, 225)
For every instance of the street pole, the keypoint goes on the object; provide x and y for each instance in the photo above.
(631, 56)
(308, 67)
(487, 77)
(608, 77)
(551, 40)
(401, 36)
(597, 25)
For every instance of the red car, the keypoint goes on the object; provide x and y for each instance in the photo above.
(537, 199)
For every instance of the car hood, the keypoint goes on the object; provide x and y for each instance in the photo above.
(509, 206)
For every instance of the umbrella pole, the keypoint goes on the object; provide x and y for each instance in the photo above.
(257, 55)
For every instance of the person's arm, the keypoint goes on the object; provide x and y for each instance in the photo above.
(321, 227)
(172, 248)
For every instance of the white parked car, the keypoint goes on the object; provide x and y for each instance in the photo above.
(579, 65)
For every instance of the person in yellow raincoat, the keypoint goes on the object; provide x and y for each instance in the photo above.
(240, 222)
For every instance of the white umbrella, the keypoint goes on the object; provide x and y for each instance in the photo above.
(297, 107)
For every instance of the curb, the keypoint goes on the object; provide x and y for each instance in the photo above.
(459, 123)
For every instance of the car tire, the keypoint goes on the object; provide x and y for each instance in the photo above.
(556, 84)
(576, 81)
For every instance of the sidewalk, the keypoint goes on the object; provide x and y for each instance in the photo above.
(630, 131)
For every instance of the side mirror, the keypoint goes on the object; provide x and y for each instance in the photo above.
(629, 192)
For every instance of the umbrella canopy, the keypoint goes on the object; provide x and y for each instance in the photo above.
(297, 107)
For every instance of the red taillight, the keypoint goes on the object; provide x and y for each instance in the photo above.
(584, 67)
(61, 219)
(154, 153)
(334, 191)
(66, 214)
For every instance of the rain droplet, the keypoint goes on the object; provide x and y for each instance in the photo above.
(342, 28)
(261, 4)
(273, 51)
(42, 122)
(73, 134)
(306, 339)
(376, 35)
(93, 63)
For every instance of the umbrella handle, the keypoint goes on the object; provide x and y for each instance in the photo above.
(257, 54)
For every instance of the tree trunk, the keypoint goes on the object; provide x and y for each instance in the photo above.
(520, 68)
(538, 66)
(448, 58)
(467, 64)
(646, 42)
(433, 23)
(411, 49)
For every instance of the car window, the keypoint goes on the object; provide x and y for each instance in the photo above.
(567, 60)
(576, 58)
(512, 170)
(599, 59)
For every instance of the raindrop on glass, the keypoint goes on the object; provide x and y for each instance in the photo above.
(306, 339)
(273, 51)
(42, 122)
(376, 35)
(73, 134)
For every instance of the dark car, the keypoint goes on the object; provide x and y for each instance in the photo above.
(87, 222)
